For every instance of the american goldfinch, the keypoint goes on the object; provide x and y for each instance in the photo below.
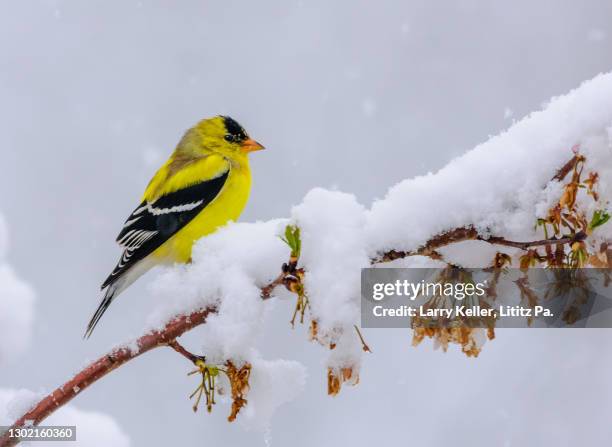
(204, 184)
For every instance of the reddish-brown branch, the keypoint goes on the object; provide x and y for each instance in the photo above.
(266, 291)
(431, 247)
(288, 275)
(116, 358)
(103, 366)
(527, 245)
(469, 233)
(184, 352)
(174, 329)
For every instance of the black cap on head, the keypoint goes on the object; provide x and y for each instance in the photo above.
(235, 132)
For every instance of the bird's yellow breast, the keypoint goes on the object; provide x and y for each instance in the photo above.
(227, 206)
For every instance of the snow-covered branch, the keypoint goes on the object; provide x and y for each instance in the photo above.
(456, 235)
(166, 336)
(521, 197)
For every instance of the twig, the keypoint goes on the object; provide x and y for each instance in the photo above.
(364, 345)
(184, 352)
(288, 275)
(527, 245)
(567, 167)
(266, 291)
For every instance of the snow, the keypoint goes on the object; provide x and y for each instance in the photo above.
(273, 383)
(93, 429)
(15, 403)
(16, 306)
(227, 270)
(500, 187)
(332, 225)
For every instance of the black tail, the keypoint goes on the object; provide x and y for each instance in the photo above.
(109, 295)
(114, 285)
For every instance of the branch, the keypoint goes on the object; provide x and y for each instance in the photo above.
(104, 365)
(184, 352)
(469, 234)
(118, 357)
(266, 291)
(527, 245)
(290, 277)
(431, 246)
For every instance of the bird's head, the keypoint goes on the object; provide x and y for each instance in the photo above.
(221, 135)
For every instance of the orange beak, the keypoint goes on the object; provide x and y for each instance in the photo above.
(251, 146)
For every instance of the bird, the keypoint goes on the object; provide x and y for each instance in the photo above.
(203, 185)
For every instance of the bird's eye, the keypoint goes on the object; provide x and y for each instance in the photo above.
(230, 138)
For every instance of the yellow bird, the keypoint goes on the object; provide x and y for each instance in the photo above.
(204, 184)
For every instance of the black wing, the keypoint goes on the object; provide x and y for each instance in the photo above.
(152, 224)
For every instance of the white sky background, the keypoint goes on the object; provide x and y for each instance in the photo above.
(349, 95)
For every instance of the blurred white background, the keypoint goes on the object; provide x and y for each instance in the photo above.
(353, 95)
